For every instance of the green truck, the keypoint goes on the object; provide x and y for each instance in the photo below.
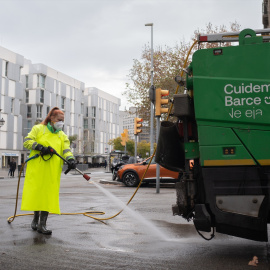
(220, 142)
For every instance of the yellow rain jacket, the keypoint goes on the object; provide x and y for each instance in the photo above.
(42, 180)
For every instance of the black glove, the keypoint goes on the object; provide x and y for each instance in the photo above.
(38, 147)
(43, 150)
(71, 164)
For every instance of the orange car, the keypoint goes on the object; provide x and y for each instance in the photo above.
(131, 174)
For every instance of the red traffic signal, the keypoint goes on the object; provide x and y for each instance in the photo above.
(137, 125)
(160, 101)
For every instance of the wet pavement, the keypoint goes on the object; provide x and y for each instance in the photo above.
(144, 236)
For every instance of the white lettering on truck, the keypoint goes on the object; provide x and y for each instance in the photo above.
(247, 98)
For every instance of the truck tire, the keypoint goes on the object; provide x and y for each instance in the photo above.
(130, 179)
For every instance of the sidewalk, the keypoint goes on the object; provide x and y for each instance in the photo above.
(4, 172)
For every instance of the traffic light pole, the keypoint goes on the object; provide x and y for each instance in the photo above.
(151, 104)
(136, 148)
(151, 128)
(157, 165)
(137, 126)
(159, 101)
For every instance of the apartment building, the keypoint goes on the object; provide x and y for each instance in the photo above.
(101, 120)
(128, 121)
(45, 88)
(27, 93)
(128, 117)
(11, 95)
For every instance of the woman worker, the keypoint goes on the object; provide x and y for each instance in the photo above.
(42, 179)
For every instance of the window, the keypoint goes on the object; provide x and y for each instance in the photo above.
(29, 114)
(85, 123)
(63, 100)
(93, 111)
(48, 109)
(6, 69)
(41, 96)
(26, 96)
(40, 81)
(20, 75)
(26, 81)
(100, 114)
(29, 125)
(81, 108)
(93, 124)
(93, 134)
(86, 111)
(85, 135)
(39, 110)
(92, 147)
(12, 106)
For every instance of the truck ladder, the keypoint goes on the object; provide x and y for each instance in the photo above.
(230, 36)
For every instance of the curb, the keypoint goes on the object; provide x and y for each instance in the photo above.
(110, 182)
(79, 173)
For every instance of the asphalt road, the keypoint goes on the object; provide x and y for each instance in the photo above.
(144, 236)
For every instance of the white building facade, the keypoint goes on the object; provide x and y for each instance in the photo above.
(101, 119)
(128, 122)
(27, 93)
(45, 88)
(11, 95)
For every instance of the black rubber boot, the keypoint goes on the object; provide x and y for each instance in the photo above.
(34, 223)
(41, 228)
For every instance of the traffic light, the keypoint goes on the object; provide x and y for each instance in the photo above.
(137, 124)
(124, 137)
(160, 101)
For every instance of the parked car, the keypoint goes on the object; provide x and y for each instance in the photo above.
(131, 174)
(117, 163)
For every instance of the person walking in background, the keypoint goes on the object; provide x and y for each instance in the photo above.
(12, 167)
(42, 179)
(105, 164)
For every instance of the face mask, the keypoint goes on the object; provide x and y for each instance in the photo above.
(58, 125)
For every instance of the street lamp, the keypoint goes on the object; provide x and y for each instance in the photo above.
(151, 104)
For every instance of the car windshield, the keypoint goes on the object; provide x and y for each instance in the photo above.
(125, 159)
(148, 160)
(116, 160)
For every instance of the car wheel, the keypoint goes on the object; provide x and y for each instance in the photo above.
(130, 179)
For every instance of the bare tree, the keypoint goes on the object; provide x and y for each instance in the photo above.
(83, 144)
(168, 62)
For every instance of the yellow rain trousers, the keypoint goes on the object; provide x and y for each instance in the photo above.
(42, 180)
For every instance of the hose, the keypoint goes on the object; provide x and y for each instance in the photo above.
(89, 214)
(184, 66)
(11, 219)
(181, 75)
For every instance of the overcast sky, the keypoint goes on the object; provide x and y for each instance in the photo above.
(95, 41)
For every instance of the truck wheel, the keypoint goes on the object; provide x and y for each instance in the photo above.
(130, 179)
